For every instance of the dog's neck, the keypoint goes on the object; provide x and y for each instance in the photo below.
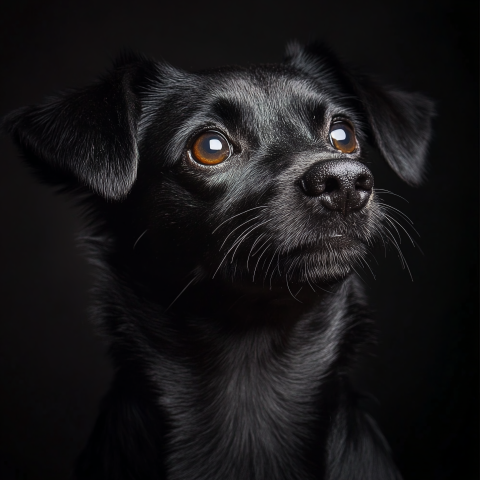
(242, 379)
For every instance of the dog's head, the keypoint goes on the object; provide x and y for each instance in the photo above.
(256, 174)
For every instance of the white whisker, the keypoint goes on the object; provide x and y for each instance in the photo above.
(288, 286)
(236, 228)
(138, 239)
(260, 256)
(253, 246)
(396, 210)
(382, 190)
(237, 215)
(178, 296)
(250, 230)
(401, 226)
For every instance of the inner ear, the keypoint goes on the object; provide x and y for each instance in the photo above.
(399, 122)
(87, 136)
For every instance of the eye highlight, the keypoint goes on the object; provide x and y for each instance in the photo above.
(210, 148)
(342, 137)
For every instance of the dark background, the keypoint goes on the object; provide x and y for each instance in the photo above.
(53, 369)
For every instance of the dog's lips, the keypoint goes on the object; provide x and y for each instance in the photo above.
(339, 240)
(327, 244)
(330, 257)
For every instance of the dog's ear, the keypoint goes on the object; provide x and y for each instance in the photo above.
(399, 122)
(86, 137)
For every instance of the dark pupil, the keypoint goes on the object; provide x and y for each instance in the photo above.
(212, 146)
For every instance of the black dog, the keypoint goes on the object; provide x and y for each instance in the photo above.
(229, 209)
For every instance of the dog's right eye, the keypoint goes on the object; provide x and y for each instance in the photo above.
(210, 148)
(342, 137)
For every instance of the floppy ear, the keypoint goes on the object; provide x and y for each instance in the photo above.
(86, 137)
(399, 122)
(401, 126)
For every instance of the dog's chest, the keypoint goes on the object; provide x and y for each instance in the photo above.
(249, 413)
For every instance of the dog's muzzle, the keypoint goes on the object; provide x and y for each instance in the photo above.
(340, 185)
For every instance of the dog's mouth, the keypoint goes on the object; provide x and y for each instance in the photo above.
(328, 259)
(272, 244)
(305, 251)
(328, 244)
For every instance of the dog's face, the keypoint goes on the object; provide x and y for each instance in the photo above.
(251, 175)
(263, 169)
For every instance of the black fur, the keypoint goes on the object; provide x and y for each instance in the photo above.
(233, 316)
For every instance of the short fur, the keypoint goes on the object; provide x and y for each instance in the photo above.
(233, 317)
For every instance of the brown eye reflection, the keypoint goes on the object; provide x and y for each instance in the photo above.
(210, 148)
(342, 137)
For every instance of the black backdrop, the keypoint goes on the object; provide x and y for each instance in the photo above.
(53, 369)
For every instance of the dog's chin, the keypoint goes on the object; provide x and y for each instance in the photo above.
(330, 261)
(321, 264)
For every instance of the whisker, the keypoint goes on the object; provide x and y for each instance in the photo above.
(273, 270)
(379, 231)
(260, 247)
(320, 288)
(236, 228)
(419, 247)
(382, 190)
(358, 275)
(138, 239)
(234, 271)
(253, 246)
(178, 296)
(263, 266)
(363, 260)
(288, 286)
(371, 254)
(396, 210)
(268, 268)
(266, 248)
(308, 281)
(390, 237)
(402, 257)
(242, 237)
(387, 218)
(225, 256)
(233, 246)
(250, 230)
(401, 226)
(237, 215)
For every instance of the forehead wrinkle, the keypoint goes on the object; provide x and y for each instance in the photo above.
(274, 104)
(237, 117)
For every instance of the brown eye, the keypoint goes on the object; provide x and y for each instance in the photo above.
(342, 137)
(210, 148)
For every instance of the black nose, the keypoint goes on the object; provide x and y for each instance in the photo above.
(341, 185)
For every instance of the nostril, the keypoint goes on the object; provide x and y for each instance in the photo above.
(331, 184)
(364, 182)
(305, 186)
(360, 183)
(338, 182)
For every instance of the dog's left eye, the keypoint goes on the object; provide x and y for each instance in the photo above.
(342, 137)
(210, 148)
